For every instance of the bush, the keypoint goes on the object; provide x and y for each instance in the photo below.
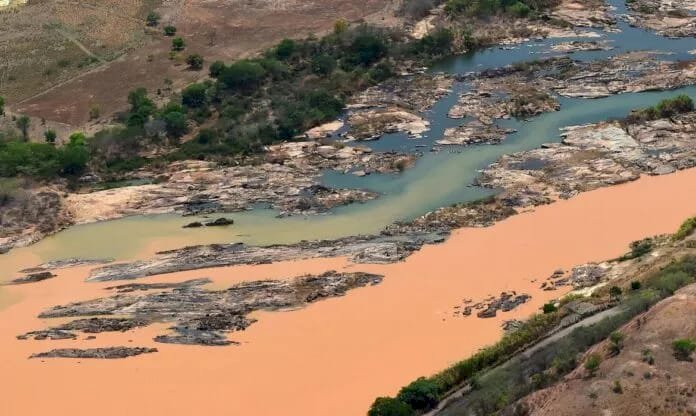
(2, 105)
(549, 307)
(178, 44)
(195, 62)
(686, 229)
(141, 107)
(366, 49)
(387, 406)
(176, 124)
(519, 9)
(194, 96)
(668, 107)
(169, 30)
(323, 64)
(285, 49)
(635, 285)
(152, 19)
(216, 69)
(421, 394)
(683, 348)
(242, 75)
(615, 292)
(23, 123)
(437, 43)
(50, 136)
(592, 364)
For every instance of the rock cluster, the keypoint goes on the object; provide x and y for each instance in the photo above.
(674, 18)
(488, 308)
(199, 316)
(102, 353)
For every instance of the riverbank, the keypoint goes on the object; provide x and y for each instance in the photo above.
(348, 350)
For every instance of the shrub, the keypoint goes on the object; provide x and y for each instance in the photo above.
(635, 285)
(616, 388)
(50, 136)
(285, 49)
(615, 342)
(421, 394)
(323, 64)
(194, 95)
(592, 364)
(366, 49)
(176, 124)
(94, 112)
(387, 406)
(141, 107)
(178, 44)
(2, 105)
(683, 348)
(195, 61)
(519, 9)
(169, 30)
(615, 292)
(439, 42)
(242, 75)
(417, 9)
(23, 123)
(549, 307)
(152, 19)
(216, 69)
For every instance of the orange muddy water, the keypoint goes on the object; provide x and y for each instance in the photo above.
(335, 356)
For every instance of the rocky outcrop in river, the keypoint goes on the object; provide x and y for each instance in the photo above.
(674, 18)
(198, 315)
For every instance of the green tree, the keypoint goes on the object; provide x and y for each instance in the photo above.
(23, 123)
(195, 61)
(549, 307)
(152, 19)
(194, 95)
(2, 105)
(141, 107)
(285, 49)
(50, 136)
(387, 406)
(176, 124)
(178, 44)
(169, 30)
(420, 395)
(366, 49)
(74, 155)
(323, 64)
(683, 348)
(216, 69)
(243, 75)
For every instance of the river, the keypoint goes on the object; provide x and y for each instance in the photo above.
(335, 356)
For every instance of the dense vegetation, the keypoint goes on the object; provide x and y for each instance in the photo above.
(485, 8)
(666, 108)
(494, 389)
(246, 105)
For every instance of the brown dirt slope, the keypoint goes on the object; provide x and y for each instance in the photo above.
(223, 29)
(667, 387)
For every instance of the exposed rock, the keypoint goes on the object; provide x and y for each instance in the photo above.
(32, 278)
(220, 222)
(580, 46)
(195, 224)
(474, 133)
(102, 353)
(199, 316)
(674, 18)
(360, 249)
(65, 263)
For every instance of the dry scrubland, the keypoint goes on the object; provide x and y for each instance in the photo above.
(46, 42)
(44, 36)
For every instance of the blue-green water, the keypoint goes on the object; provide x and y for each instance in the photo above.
(438, 179)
